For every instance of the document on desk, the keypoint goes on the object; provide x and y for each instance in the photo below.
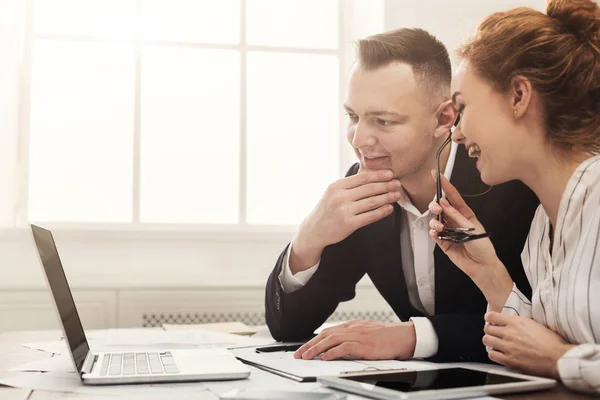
(56, 363)
(70, 383)
(197, 337)
(144, 339)
(283, 363)
(237, 328)
(15, 394)
(55, 347)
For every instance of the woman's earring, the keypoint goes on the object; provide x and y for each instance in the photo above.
(515, 112)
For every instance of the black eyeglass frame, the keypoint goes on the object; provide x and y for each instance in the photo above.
(454, 235)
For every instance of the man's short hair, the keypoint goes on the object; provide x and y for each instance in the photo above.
(418, 48)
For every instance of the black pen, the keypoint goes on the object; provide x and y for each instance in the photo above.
(273, 349)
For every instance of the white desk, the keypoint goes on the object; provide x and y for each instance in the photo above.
(13, 354)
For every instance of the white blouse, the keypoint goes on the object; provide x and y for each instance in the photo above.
(566, 282)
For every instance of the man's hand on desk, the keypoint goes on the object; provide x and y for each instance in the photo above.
(368, 340)
(347, 205)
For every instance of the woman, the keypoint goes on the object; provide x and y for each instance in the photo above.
(528, 94)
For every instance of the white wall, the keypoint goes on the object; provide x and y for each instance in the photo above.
(105, 267)
(11, 45)
(451, 21)
(118, 276)
(144, 258)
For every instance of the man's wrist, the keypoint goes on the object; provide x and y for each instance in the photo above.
(303, 255)
(407, 340)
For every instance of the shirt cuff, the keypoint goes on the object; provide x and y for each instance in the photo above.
(427, 338)
(517, 304)
(289, 282)
(578, 368)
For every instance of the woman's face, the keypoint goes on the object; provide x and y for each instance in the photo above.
(488, 126)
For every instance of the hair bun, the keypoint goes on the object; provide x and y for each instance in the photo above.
(579, 17)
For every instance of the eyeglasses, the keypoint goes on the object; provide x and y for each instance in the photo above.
(454, 235)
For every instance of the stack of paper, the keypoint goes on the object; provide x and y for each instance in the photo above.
(237, 328)
(283, 363)
(67, 382)
(145, 339)
(111, 340)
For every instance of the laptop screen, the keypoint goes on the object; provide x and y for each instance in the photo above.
(62, 295)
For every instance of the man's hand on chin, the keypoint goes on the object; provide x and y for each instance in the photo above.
(369, 340)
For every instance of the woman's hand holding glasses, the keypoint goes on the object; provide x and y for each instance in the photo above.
(476, 258)
(469, 255)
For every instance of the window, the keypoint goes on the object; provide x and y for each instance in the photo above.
(219, 112)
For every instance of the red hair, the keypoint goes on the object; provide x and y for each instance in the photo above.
(559, 53)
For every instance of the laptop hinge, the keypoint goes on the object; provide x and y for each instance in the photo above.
(88, 364)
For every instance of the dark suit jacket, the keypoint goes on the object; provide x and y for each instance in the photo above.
(506, 211)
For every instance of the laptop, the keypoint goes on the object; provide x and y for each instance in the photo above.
(105, 368)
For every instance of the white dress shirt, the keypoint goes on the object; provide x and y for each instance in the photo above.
(417, 265)
(566, 282)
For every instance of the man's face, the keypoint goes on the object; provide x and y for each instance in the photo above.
(391, 119)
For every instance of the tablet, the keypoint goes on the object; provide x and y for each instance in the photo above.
(441, 383)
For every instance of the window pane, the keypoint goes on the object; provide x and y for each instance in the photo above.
(293, 23)
(190, 135)
(293, 134)
(207, 21)
(107, 18)
(81, 132)
(11, 44)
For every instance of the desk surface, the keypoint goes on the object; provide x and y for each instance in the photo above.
(13, 354)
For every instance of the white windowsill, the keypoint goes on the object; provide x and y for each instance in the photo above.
(167, 232)
(147, 257)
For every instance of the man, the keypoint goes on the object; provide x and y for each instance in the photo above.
(375, 220)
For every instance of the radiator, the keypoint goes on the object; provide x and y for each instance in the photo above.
(253, 318)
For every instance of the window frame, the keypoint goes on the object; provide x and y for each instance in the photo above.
(344, 52)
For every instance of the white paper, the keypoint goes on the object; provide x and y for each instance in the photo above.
(328, 325)
(68, 382)
(113, 340)
(285, 361)
(270, 394)
(145, 336)
(260, 379)
(7, 393)
(264, 334)
(56, 347)
(58, 363)
(60, 348)
(146, 339)
(236, 327)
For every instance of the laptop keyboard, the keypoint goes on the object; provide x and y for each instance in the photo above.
(115, 364)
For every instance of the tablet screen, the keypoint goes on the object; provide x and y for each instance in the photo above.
(450, 378)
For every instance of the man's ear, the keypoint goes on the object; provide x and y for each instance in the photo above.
(520, 95)
(446, 115)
